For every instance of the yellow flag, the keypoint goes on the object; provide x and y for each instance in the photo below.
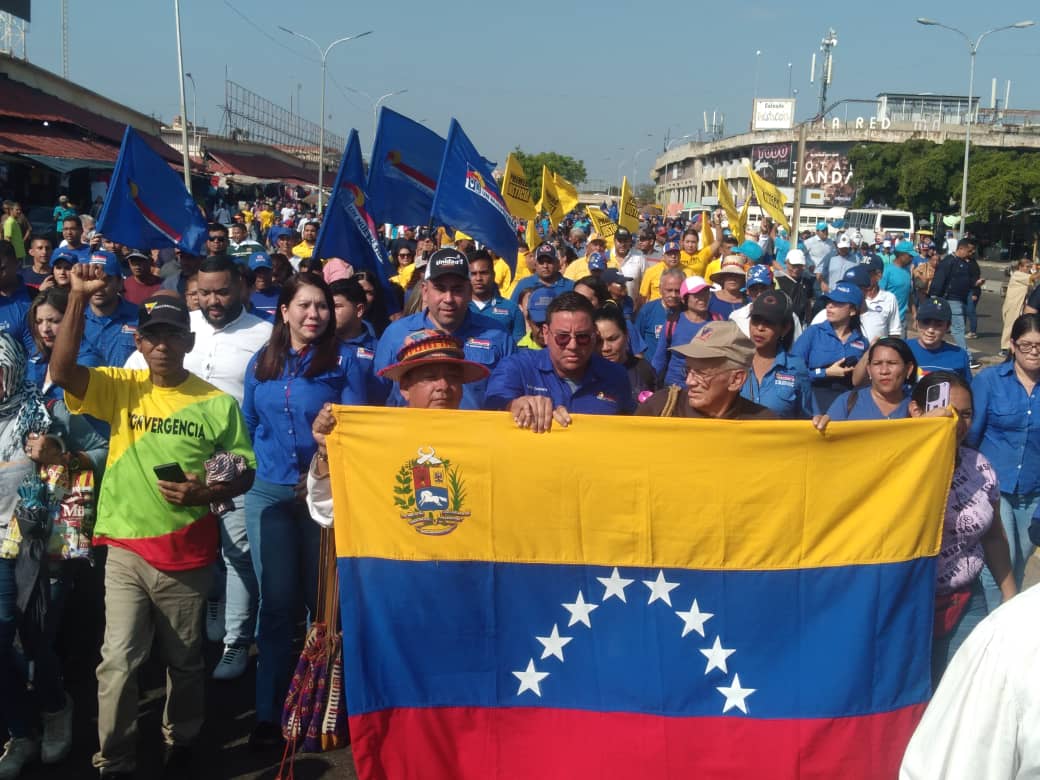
(740, 229)
(567, 193)
(531, 236)
(550, 201)
(604, 226)
(729, 206)
(628, 211)
(516, 191)
(707, 235)
(769, 198)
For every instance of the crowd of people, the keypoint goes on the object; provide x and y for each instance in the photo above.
(163, 415)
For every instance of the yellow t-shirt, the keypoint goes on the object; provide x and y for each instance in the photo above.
(580, 267)
(266, 219)
(303, 250)
(522, 272)
(404, 275)
(695, 264)
(503, 276)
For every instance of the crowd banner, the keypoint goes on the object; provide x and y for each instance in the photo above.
(628, 209)
(516, 190)
(468, 199)
(769, 198)
(566, 192)
(605, 619)
(549, 200)
(402, 173)
(348, 230)
(147, 203)
(603, 225)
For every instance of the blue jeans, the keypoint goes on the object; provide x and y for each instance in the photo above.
(971, 314)
(235, 581)
(284, 541)
(1016, 512)
(944, 649)
(18, 708)
(957, 323)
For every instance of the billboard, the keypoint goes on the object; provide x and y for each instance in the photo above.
(773, 163)
(19, 8)
(773, 114)
(827, 168)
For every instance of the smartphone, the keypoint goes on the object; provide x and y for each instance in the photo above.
(849, 362)
(170, 472)
(937, 397)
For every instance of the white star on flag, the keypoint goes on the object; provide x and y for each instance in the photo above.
(580, 611)
(734, 694)
(553, 643)
(530, 678)
(717, 656)
(660, 588)
(614, 585)
(694, 620)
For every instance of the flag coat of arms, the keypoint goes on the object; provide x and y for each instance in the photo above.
(348, 230)
(602, 620)
(468, 199)
(402, 174)
(148, 205)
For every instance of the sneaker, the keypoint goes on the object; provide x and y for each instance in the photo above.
(18, 753)
(971, 335)
(974, 364)
(57, 734)
(215, 621)
(265, 736)
(232, 664)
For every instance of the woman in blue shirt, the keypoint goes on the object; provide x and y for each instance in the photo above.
(44, 319)
(1007, 432)
(680, 329)
(892, 370)
(832, 348)
(777, 380)
(303, 367)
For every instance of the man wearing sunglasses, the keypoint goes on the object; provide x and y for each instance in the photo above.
(541, 386)
(546, 273)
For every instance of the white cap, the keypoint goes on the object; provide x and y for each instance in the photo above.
(795, 257)
(844, 243)
(887, 243)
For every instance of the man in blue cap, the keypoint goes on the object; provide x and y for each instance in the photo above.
(537, 310)
(111, 321)
(446, 293)
(546, 273)
(264, 297)
(820, 246)
(897, 278)
(930, 348)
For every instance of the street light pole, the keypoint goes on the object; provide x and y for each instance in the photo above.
(194, 106)
(973, 47)
(321, 127)
(375, 107)
(180, 82)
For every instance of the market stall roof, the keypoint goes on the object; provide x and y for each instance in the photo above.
(260, 168)
(50, 143)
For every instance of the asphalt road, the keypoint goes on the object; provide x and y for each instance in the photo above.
(222, 753)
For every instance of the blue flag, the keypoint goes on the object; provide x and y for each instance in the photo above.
(148, 206)
(402, 174)
(347, 229)
(468, 199)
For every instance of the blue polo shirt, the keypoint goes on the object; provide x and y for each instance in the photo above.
(819, 347)
(279, 412)
(265, 303)
(784, 388)
(604, 389)
(724, 308)
(1005, 429)
(505, 312)
(863, 407)
(899, 282)
(561, 285)
(483, 340)
(363, 347)
(14, 312)
(650, 322)
(664, 358)
(948, 357)
(109, 341)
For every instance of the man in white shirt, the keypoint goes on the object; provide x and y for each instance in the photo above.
(631, 262)
(819, 247)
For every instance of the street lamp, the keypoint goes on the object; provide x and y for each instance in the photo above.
(973, 47)
(758, 56)
(194, 105)
(379, 102)
(672, 142)
(321, 131)
(636, 157)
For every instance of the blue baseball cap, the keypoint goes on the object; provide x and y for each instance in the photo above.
(63, 254)
(845, 292)
(108, 261)
(613, 276)
(672, 246)
(538, 304)
(821, 225)
(259, 260)
(904, 248)
(759, 274)
(858, 275)
(934, 309)
(874, 263)
(751, 250)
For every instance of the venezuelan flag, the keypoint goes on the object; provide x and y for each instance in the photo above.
(635, 598)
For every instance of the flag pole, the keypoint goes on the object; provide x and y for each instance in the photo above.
(180, 82)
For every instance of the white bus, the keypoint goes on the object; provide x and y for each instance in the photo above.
(879, 221)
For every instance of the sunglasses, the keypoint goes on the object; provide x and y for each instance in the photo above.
(405, 254)
(218, 238)
(581, 339)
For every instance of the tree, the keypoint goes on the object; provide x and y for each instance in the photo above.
(567, 167)
(645, 194)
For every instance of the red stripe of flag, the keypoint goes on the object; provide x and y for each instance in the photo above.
(154, 219)
(415, 173)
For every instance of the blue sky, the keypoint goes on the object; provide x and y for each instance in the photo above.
(598, 81)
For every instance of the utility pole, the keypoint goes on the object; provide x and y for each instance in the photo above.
(827, 66)
(65, 39)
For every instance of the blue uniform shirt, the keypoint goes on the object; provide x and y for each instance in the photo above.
(948, 357)
(664, 357)
(819, 347)
(1005, 429)
(363, 347)
(505, 312)
(279, 412)
(483, 340)
(650, 322)
(604, 389)
(863, 407)
(784, 388)
(109, 341)
(265, 303)
(561, 285)
(14, 310)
